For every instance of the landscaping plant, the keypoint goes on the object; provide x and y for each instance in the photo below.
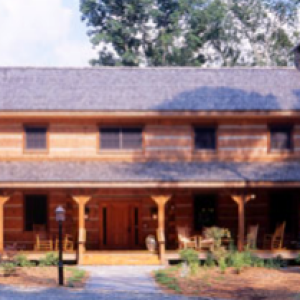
(191, 257)
(77, 276)
(21, 260)
(51, 259)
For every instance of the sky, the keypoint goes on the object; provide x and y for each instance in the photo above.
(43, 33)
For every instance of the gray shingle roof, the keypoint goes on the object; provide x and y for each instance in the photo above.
(156, 89)
(98, 172)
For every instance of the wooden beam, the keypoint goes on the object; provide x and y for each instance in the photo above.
(161, 201)
(3, 200)
(81, 200)
(241, 200)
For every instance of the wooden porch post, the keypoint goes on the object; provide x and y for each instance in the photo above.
(81, 201)
(161, 201)
(241, 201)
(3, 200)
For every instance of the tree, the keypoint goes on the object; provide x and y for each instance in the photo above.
(191, 32)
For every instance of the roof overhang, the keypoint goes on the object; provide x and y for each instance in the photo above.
(148, 185)
(5, 115)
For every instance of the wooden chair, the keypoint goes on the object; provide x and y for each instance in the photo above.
(42, 241)
(251, 239)
(275, 241)
(186, 241)
(68, 243)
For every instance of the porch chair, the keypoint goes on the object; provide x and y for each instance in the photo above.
(68, 243)
(185, 240)
(42, 242)
(251, 239)
(275, 241)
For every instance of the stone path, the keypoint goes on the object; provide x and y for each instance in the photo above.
(105, 283)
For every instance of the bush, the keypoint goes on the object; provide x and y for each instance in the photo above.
(192, 258)
(51, 259)
(222, 265)
(77, 276)
(8, 268)
(165, 279)
(21, 260)
(210, 261)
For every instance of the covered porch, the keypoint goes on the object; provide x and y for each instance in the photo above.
(112, 207)
(110, 226)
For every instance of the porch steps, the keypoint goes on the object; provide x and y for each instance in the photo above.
(120, 259)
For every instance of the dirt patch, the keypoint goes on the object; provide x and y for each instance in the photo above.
(251, 284)
(41, 277)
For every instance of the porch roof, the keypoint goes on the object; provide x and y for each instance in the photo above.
(94, 172)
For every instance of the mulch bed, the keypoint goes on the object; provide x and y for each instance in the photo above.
(251, 284)
(38, 277)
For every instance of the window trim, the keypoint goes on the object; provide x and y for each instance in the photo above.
(199, 150)
(118, 151)
(35, 151)
(283, 125)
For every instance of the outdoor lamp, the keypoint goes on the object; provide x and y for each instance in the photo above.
(60, 218)
(60, 214)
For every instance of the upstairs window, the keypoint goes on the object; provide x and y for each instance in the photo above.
(205, 138)
(127, 138)
(280, 137)
(35, 137)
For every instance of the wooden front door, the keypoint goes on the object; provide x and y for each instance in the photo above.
(120, 225)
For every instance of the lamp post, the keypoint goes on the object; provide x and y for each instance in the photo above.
(60, 217)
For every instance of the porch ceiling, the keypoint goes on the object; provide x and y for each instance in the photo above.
(149, 173)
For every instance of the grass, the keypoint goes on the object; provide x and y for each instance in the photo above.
(164, 278)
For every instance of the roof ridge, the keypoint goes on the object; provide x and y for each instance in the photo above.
(143, 68)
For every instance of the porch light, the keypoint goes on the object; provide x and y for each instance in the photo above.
(253, 196)
(153, 213)
(86, 212)
(60, 214)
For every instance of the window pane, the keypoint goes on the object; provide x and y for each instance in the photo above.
(281, 138)
(35, 212)
(110, 138)
(36, 138)
(131, 138)
(205, 138)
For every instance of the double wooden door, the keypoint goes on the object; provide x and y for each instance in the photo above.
(120, 225)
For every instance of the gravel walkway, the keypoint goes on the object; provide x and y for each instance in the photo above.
(113, 283)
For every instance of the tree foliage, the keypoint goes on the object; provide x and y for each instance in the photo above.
(191, 32)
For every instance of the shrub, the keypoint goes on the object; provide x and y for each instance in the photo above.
(51, 259)
(237, 261)
(21, 260)
(8, 268)
(77, 276)
(222, 265)
(210, 261)
(165, 279)
(192, 258)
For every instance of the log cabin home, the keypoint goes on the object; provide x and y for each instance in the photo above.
(133, 152)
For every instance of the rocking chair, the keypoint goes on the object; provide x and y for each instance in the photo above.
(275, 241)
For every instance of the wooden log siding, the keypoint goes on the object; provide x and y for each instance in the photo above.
(243, 139)
(167, 142)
